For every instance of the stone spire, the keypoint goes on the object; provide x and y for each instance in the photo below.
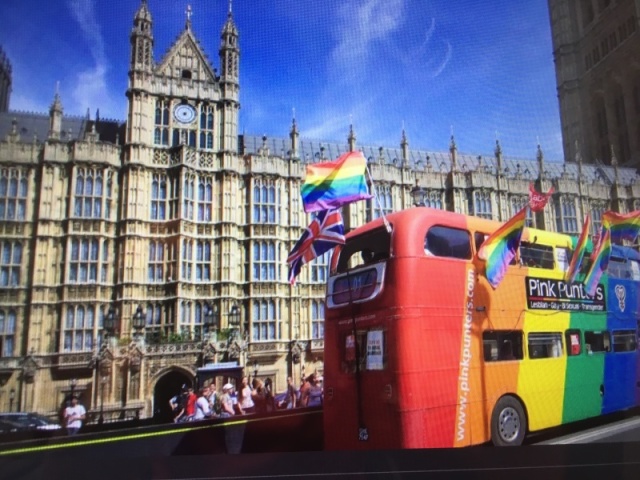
(453, 149)
(188, 13)
(229, 51)
(404, 145)
(294, 135)
(352, 139)
(55, 117)
(540, 158)
(614, 163)
(142, 40)
(498, 154)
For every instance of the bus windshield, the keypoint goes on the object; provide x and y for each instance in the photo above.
(365, 249)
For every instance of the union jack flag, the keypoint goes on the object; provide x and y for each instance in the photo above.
(325, 232)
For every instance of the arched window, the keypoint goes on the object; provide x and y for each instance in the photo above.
(317, 319)
(265, 257)
(266, 203)
(10, 264)
(80, 329)
(264, 320)
(7, 333)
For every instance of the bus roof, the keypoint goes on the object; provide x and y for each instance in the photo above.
(417, 216)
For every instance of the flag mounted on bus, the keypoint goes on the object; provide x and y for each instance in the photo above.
(537, 201)
(330, 185)
(501, 246)
(600, 263)
(578, 253)
(623, 226)
(324, 232)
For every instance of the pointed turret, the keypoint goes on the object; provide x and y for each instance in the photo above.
(404, 145)
(55, 118)
(540, 158)
(498, 154)
(453, 149)
(229, 51)
(229, 80)
(294, 135)
(352, 139)
(142, 40)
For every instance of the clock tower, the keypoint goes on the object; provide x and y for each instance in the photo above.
(181, 183)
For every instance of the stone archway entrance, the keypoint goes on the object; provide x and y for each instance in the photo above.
(167, 386)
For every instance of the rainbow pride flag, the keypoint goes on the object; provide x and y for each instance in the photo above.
(500, 248)
(623, 226)
(333, 184)
(578, 253)
(600, 263)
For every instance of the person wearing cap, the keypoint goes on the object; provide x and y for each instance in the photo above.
(225, 401)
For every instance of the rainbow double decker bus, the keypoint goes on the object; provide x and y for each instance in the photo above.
(420, 350)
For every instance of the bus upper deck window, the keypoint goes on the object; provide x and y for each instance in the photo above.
(634, 267)
(448, 242)
(536, 255)
(370, 247)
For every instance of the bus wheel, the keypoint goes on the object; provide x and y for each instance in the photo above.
(508, 423)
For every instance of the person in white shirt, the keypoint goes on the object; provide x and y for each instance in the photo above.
(244, 397)
(74, 415)
(202, 405)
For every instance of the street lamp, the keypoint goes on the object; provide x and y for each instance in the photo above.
(109, 323)
(138, 321)
(234, 316)
(255, 369)
(418, 194)
(210, 318)
(12, 397)
(72, 383)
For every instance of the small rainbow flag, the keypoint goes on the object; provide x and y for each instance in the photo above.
(600, 263)
(578, 253)
(623, 226)
(501, 246)
(333, 184)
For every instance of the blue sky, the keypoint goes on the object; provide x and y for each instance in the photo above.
(479, 69)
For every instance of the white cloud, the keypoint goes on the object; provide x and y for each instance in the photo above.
(91, 86)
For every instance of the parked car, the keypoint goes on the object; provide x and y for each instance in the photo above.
(7, 427)
(29, 421)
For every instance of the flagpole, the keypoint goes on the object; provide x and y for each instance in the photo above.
(375, 194)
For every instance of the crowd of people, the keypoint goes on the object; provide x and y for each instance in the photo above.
(257, 397)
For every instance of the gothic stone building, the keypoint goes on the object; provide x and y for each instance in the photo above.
(596, 45)
(131, 253)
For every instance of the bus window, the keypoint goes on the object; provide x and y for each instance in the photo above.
(572, 338)
(623, 268)
(448, 242)
(368, 248)
(617, 268)
(634, 267)
(502, 345)
(624, 340)
(535, 255)
(597, 342)
(545, 345)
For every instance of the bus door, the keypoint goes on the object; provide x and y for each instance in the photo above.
(359, 385)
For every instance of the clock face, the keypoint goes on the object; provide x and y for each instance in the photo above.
(184, 113)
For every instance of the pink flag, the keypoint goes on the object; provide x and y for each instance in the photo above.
(537, 201)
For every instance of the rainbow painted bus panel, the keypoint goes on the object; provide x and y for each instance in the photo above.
(439, 365)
